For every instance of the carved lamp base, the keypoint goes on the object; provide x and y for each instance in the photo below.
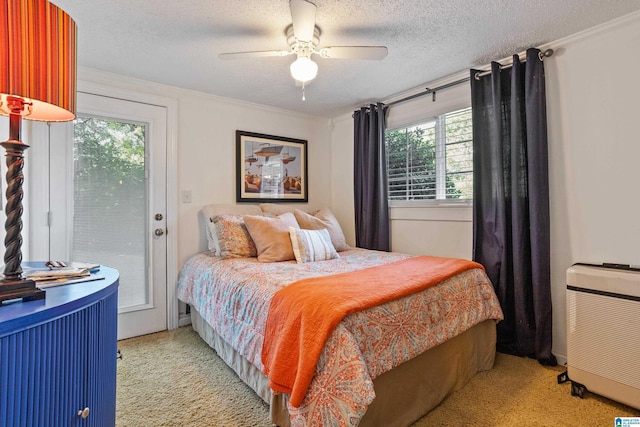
(21, 288)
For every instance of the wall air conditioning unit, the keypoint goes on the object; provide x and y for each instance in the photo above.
(603, 331)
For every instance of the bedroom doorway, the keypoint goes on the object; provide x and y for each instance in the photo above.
(116, 202)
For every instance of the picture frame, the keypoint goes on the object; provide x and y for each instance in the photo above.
(270, 168)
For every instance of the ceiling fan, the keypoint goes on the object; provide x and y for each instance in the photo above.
(303, 37)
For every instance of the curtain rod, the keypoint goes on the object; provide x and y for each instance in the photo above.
(541, 55)
(428, 91)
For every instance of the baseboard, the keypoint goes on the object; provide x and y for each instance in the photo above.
(184, 320)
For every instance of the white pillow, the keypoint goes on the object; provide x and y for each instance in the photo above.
(312, 245)
(212, 238)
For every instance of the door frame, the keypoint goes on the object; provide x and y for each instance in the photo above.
(171, 105)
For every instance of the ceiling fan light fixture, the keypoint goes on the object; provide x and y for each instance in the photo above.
(304, 69)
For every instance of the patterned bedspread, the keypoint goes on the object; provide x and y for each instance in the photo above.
(233, 296)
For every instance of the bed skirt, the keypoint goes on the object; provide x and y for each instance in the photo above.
(403, 395)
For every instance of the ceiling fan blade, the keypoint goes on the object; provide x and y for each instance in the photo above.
(254, 54)
(303, 17)
(354, 52)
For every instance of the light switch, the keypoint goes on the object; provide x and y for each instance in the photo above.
(186, 196)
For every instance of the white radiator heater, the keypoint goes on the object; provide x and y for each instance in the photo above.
(603, 332)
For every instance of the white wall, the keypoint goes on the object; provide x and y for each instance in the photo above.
(443, 230)
(342, 175)
(207, 154)
(594, 161)
(594, 151)
(206, 147)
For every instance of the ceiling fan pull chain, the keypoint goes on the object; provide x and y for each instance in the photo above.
(303, 97)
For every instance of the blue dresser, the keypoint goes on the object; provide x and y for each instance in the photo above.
(58, 356)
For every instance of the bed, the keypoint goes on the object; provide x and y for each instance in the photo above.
(387, 364)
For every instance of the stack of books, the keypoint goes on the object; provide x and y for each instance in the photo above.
(60, 273)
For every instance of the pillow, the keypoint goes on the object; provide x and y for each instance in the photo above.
(312, 245)
(209, 213)
(233, 238)
(271, 236)
(324, 218)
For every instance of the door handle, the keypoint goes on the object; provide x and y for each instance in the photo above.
(158, 232)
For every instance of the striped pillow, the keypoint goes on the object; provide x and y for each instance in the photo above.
(312, 245)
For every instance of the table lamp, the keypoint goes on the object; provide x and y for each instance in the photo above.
(37, 82)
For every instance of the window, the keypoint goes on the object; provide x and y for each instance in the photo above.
(432, 160)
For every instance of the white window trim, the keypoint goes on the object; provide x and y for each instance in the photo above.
(442, 203)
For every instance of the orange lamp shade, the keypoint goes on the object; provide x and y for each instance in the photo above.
(38, 59)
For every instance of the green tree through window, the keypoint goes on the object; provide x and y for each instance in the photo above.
(109, 182)
(432, 160)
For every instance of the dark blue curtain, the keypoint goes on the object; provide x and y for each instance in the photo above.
(370, 178)
(511, 201)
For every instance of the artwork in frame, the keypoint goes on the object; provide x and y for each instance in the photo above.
(270, 168)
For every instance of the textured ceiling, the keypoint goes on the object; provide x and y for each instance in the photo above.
(176, 42)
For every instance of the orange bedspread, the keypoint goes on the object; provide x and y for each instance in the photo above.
(303, 314)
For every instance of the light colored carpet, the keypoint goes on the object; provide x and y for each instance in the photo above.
(174, 379)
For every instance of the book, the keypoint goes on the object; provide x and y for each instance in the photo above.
(59, 281)
(57, 273)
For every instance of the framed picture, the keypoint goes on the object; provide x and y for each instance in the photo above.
(270, 168)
